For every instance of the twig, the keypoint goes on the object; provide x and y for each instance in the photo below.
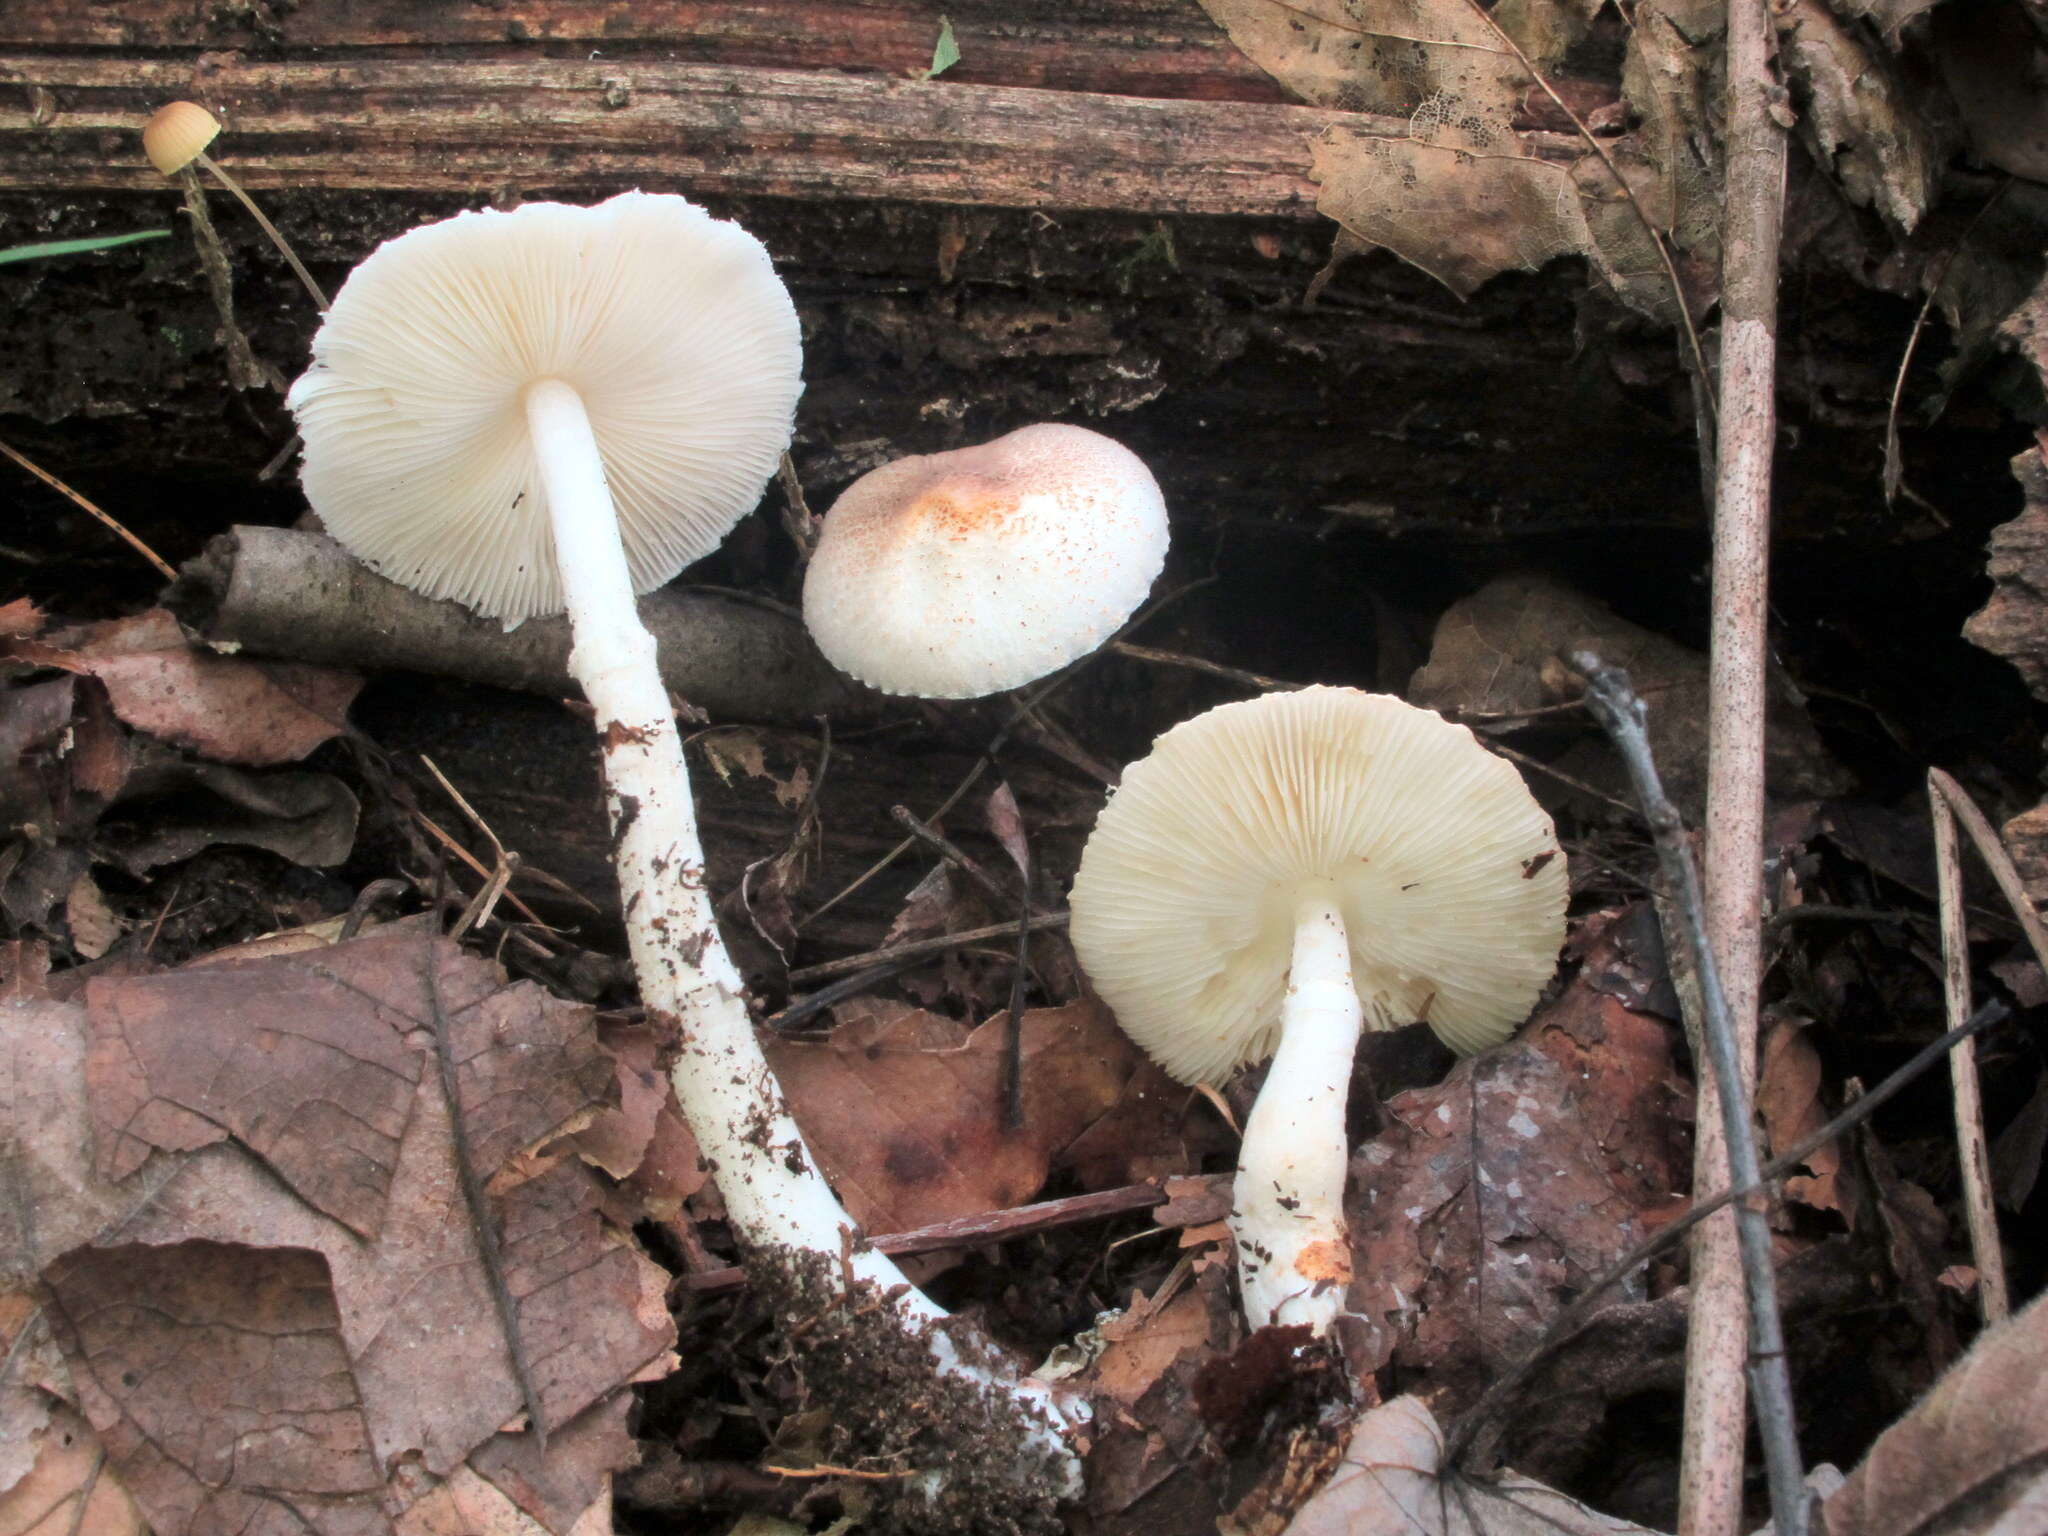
(1024, 704)
(803, 1009)
(1971, 1153)
(1622, 713)
(1752, 223)
(245, 369)
(479, 911)
(1573, 1320)
(918, 949)
(948, 850)
(987, 1227)
(1993, 853)
(798, 520)
(479, 1205)
(163, 566)
(1894, 455)
(1257, 681)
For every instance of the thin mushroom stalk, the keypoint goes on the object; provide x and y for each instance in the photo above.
(1293, 1253)
(768, 1181)
(728, 1094)
(558, 408)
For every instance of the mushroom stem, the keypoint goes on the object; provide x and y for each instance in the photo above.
(723, 1083)
(1293, 1253)
(283, 246)
(729, 1096)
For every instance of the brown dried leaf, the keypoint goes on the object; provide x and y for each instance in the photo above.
(21, 617)
(1971, 1457)
(1487, 1199)
(309, 818)
(93, 925)
(227, 708)
(2013, 622)
(423, 1350)
(67, 1459)
(1006, 825)
(1460, 215)
(1856, 120)
(1991, 59)
(1490, 654)
(903, 1108)
(1389, 1483)
(1788, 1098)
(1393, 56)
(216, 1377)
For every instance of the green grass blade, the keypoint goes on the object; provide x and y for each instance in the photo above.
(77, 247)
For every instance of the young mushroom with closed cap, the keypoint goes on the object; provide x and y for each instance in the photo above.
(560, 407)
(1279, 874)
(952, 575)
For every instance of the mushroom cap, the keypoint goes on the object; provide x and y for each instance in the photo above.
(1447, 871)
(951, 575)
(177, 134)
(672, 327)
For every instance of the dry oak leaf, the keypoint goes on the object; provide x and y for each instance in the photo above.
(67, 1466)
(227, 708)
(903, 1107)
(1970, 1458)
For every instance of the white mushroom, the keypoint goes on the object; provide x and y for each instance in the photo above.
(561, 407)
(1282, 872)
(951, 575)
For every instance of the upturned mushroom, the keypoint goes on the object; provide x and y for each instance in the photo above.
(952, 575)
(560, 407)
(1280, 874)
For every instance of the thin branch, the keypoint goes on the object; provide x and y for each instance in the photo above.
(163, 566)
(1622, 713)
(987, 1227)
(1573, 1321)
(1894, 455)
(919, 949)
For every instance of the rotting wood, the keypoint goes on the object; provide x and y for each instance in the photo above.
(531, 125)
(1159, 48)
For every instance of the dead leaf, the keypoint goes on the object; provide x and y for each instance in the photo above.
(68, 1464)
(21, 617)
(94, 927)
(1969, 1459)
(1393, 56)
(227, 708)
(1460, 215)
(309, 818)
(1788, 1098)
(1390, 1483)
(217, 1379)
(2013, 622)
(2016, 1155)
(420, 1352)
(902, 1107)
(1485, 1202)
(1006, 825)
(1855, 116)
(1991, 59)
(1489, 656)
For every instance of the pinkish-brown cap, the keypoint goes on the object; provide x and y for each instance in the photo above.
(952, 575)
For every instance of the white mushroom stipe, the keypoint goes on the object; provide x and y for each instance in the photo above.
(1276, 876)
(471, 410)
